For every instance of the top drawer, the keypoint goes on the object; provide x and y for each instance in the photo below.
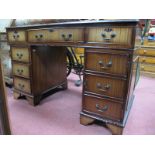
(16, 36)
(113, 36)
(56, 35)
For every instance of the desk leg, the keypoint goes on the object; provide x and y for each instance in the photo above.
(84, 120)
(16, 95)
(116, 130)
(34, 100)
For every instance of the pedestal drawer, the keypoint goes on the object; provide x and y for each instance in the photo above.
(106, 63)
(105, 86)
(103, 107)
(110, 35)
(20, 54)
(22, 70)
(17, 36)
(22, 85)
(56, 35)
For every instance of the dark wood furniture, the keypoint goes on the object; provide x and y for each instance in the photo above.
(38, 58)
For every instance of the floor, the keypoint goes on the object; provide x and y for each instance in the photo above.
(58, 114)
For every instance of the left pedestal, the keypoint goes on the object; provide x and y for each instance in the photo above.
(37, 70)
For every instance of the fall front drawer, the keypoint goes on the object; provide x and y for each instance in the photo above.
(110, 35)
(103, 107)
(56, 35)
(105, 86)
(104, 61)
(22, 70)
(20, 54)
(22, 85)
(18, 36)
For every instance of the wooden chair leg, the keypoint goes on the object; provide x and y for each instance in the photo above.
(84, 120)
(116, 130)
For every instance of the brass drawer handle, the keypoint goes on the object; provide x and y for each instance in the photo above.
(113, 35)
(66, 37)
(19, 55)
(39, 36)
(20, 71)
(21, 86)
(103, 87)
(108, 34)
(105, 108)
(15, 35)
(105, 66)
(145, 51)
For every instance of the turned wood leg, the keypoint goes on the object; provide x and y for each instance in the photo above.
(84, 120)
(16, 95)
(116, 130)
(33, 100)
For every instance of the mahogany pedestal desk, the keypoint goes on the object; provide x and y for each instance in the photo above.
(39, 65)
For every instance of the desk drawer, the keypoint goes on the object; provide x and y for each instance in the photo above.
(105, 86)
(20, 54)
(42, 35)
(146, 52)
(22, 85)
(103, 107)
(56, 35)
(16, 36)
(106, 63)
(144, 59)
(110, 35)
(21, 70)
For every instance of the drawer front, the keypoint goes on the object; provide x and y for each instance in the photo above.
(22, 85)
(16, 36)
(71, 35)
(110, 35)
(144, 59)
(56, 35)
(42, 35)
(148, 68)
(20, 54)
(105, 86)
(102, 107)
(107, 63)
(21, 70)
(146, 52)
